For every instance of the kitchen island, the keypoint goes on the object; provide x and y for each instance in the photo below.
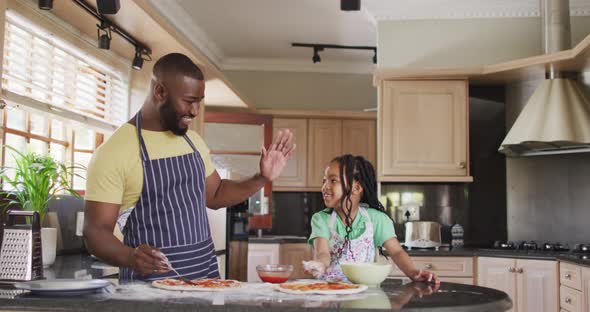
(393, 294)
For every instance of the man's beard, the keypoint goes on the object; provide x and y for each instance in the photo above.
(170, 119)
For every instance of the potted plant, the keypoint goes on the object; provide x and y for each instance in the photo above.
(31, 184)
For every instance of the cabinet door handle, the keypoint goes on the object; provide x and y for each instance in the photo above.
(568, 300)
(511, 269)
(462, 165)
(519, 270)
(568, 276)
(428, 266)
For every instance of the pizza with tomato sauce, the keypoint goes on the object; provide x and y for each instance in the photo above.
(206, 284)
(321, 288)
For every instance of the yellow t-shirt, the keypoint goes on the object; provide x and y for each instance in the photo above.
(115, 172)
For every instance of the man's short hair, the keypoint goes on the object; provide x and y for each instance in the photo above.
(176, 63)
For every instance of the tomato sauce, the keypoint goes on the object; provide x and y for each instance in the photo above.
(273, 279)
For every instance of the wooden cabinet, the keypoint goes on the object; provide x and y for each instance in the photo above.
(531, 284)
(448, 269)
(294, 254)
(537, 285)
(325, 143)
(423, 131)
(574, 292)
(319, 140)
(295, 172)
(238, 264)
(261, 254)
(359, 137)
(497, 273)
(586, 289)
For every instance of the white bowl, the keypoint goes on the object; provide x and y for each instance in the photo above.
(367, 273)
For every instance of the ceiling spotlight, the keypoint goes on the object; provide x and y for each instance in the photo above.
(45, 4)
(316, 56)
(104, 40)
(108, 6)
(137, 61)
(350, 5)
(141, 54)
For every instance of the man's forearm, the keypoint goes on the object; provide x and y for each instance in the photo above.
(103, 244)
(233, 192)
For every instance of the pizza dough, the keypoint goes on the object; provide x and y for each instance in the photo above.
(320, 288)
(207, 284)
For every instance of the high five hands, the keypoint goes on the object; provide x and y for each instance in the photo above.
(274, 159)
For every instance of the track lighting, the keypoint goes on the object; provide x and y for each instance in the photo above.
(108, 6)
(107, 26)
(141, 54)
(137, 61)
(350, 5)
(104, 40)
(316, 56)
(45, 4)
(320, 47)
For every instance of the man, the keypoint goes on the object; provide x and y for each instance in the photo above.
(156, 165)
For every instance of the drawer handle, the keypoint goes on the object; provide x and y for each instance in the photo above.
(511, 270)
(519, 270)
(568, 276)
(568, 300)
(428, 266)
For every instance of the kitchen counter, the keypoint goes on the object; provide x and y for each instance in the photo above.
(277, 239)
(393, 294)
(504, 253)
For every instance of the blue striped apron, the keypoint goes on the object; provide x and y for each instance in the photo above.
(171, 215)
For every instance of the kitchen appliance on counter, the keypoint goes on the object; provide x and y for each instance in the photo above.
(20, 254)
(422, 234)
(237, 221)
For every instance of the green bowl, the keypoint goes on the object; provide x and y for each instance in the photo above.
(368, 273)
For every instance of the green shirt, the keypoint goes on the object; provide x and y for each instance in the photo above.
(382, 226)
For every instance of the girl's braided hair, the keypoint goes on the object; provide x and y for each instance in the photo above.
(356, 168)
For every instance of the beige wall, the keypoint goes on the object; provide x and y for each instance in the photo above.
(294, 90)
(468, 42)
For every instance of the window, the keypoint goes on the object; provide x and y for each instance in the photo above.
(61, 101)
(46, 70)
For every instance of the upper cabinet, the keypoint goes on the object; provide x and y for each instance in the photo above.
(359, 137)
(318, 141)
(295, 172)
(423, 131)
(325, 143)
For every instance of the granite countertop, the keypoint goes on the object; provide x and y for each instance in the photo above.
(573, 257)
(393, 294)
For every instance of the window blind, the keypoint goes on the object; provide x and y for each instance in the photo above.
(40, 69)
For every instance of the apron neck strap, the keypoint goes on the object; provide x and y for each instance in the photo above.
(144, 152)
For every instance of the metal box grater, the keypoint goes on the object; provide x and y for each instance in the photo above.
(20, 253)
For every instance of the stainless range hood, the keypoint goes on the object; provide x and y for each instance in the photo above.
(556, 119)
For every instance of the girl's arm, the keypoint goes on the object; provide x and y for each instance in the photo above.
(404, 262)
(321, 252)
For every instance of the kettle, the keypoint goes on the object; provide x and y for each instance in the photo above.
(422, 234)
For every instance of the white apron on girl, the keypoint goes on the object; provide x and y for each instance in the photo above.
(362, 249)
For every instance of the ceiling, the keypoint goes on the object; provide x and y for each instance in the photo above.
(257, 34)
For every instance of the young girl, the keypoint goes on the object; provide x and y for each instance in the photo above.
(347, 232)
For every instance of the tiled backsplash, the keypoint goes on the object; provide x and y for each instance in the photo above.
(443, 203)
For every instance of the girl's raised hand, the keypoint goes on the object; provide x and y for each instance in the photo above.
(425, 276)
